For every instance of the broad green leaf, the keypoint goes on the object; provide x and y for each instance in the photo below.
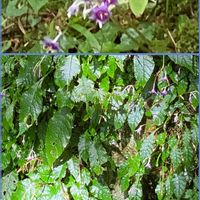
(159, 113)
(135, 116)
(83, 146)
(134, 163)
(119, 120)
(184, 61)
(182, 87)
(169, 187)
(13, 11)
(37, 4)
(26, 71)
(30, 107)
(100, 191)
(194, 99)
(6, 159)
(187, 149)
(73, 166)
(124, 183)
(161, 138)
(138, 6)
(93, 42)
(84, 91)
(143, 68)
(85, 176)
(59, 172)
(79, 192)
(97, 155)
(9, 183)
(57, 135)
(112, 67)
(68, 68)
(135, 192)
(25, 190)
(175, 156)
(105, 84)
(179, 182)
(147, 147)
(9, 115)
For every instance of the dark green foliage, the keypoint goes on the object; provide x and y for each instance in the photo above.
(99, 127)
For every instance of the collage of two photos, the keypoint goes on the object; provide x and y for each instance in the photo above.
(100, 26)
(99, 100)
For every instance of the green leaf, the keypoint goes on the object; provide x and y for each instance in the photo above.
(25, 190)
(187, 149)
(143, 68)
(13, 11)
(9, 185)
(124, 183)
(159, 113)
(147, 147)
(93, 42)
(169, 187)
(175, 156)
(83, 146)
(9, 115)
(57, 135)
(73, 166)
(135, 192)
(112, 67)
(123, 170)
(119, 120)
(179, 183)
(79, 192)
(97, 156)
(100, 191)
(68, 68)
(85, 176)
(59, 172)
(135, 116)
(184, 61)
(182, 87)
(84, 91)
(105, 84)
(37, 4)
(134, 163)
(30, 107)
(138, 6)
(161, 138)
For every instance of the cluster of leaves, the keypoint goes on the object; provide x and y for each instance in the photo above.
(90, 127)
(148, 26)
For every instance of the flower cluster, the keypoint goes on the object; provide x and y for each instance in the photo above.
(99, 11)
(52, 45)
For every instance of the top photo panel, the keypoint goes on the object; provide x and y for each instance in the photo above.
(100, 26)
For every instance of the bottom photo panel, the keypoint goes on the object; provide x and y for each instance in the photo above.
(99, 127)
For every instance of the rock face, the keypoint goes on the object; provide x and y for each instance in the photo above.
(120, 156)
(117, 193)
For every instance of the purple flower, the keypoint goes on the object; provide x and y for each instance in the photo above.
(50, 45)
(153, 91)
(74, 8)
(164, 78)
(139, 130)
(101, 14)
(164, 92)
(148, 165)
(109, 2)
(2, 95)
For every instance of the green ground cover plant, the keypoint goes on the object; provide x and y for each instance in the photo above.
(100, 25)
(100, 127)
